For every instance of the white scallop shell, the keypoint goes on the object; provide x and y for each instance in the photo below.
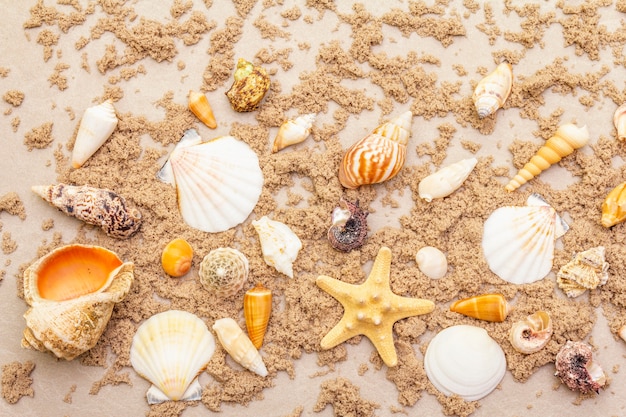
(518, 242)
(447, 180)
(280, 245)
(170, 349)
(239, 346)
(218, 182)
(95, 127)
(464, 360)
(432, 262)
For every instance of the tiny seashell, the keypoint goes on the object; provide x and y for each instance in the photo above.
(170, 350)
(614, 206)
(488, 307)
(531, 334)
(378, 156)
(432, 262)
(96, 206)
(96, 126)
(349, 226)
(622, 332)
(279, 244)
(464, 360)
(199, 105)
(71, 292)
(576, 368)
(250, 85)
(257, 308)
(566, 139)
(218, 182)
(293, 131)
(619, 120)
(447, 180)
(239, 346)
(493, 90)
(518, 242)
(176, 258)
(224, 271)
(586, 271)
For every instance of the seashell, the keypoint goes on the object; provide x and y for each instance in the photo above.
(493, 90)
(199, 105)
(447, 180)
(170, 349)
(293, 131)
(257, 308)
(176, 258)
(218, 182)
(251, 84)
(531, 334)
(378, 156)
(577, 370)
(619, 120)
(224, 271)
(465, 361)
(566, 139)
(349, 226)
(518, 242)
(96, 126)
(71, 292)
(488, 307)
(97, 206)
(622, 332)
(239, 346)
(432, 262)
(279, 244)
(614, 206)
(586, 271)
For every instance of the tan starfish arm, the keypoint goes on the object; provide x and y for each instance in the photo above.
(338, 289)
(382, 339)
(404, 307)
(342, 331)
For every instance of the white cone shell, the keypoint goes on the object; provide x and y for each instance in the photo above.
(170, 349)
(96, 126)
(239, 346)
(447, 180)
(280, 245)
(218, 182)
(464, 360)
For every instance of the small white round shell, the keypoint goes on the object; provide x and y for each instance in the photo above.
(432, 262)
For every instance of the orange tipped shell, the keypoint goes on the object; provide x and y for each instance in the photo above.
(566, 139)
(176, 258)
(488, 307)
(199, 105)
(614, 206)
(257, 307)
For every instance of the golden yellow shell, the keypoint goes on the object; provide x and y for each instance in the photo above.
(614, 206)
(493, 90)
(257, 308)
(176, 258)
(250, 85)
(378, 156)
(566, 139)
(199, 105)
(488, 307)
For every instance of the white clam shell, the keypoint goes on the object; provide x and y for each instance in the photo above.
(239, 346)
(170, 349)
(464, 360)
(293, 131)
(447, 180)
(432, 262)
(280, 245)
(97, 124)
(518, 242)
(218, 182)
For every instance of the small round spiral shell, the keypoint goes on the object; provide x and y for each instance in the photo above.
(176, 258)
(493, 90)
(349, 228)
(224, 271)
(432, 262)
(577, 370)
(250, 85)
(531, 334)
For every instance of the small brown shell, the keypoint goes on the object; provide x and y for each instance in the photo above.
(251, 84)
(488, 307)
(577, 370)
(257, 308)
(349, 228)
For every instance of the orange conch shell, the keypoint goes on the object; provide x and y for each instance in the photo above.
(619, 120)
(257, 307)
(488, 307)
(199, 105)
(614, 206)
(566, 139)
(378, 156)
(493, 90)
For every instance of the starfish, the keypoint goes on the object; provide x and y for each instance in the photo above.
(371, 308)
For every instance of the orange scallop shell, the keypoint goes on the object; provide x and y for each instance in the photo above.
(257, 307)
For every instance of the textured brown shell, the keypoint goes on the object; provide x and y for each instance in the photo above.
(257, 308)
(251, 84)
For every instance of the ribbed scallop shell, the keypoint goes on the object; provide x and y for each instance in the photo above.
(464, 360)
(257, 308)
(224, 271)
(518, 242)
(218, 182)
(239, 346)
(97, 124)
(378, 156)
(619, 120)
(493, 90)
(170, 349)
(432, 262)
(279, 244)
(447, 180)
(293, 131)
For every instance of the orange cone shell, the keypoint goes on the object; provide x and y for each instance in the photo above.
(257, 307)
(199, 105)
(488, 307)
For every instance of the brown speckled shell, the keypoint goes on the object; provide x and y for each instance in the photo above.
(572, 367)
(251, 84)
(352, 234)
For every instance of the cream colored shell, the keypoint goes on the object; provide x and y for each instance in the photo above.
(447, 180)
(224, 271)
(619, 120)
(293, 131)
(96, 126)
(493, 90)
(279, 244)
(586, 271)
(432, 262)
(531, 334)
(239, 346)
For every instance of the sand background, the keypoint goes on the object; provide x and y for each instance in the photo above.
(62, 388)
